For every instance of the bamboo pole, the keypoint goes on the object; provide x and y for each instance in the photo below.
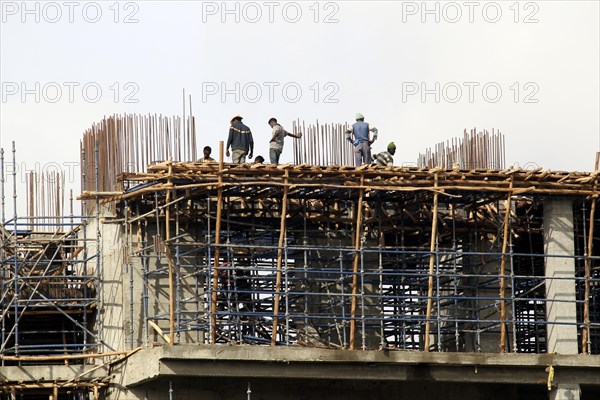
(355, 264)
(108, 363)
(431, 265)
(49, 385)
(282, 229)
(62, 357)
(585, 334)
(170, 263)
(215, 283)
(159, 331)
(505, 233)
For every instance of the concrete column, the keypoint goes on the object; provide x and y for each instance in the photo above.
(566, 392)
(113, 327)
(559, 240)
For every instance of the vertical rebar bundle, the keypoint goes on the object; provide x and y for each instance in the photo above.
(322, 144)
(45, 198)
(474, 150)
(129, 143)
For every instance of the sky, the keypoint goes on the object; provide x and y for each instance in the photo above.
(421, 72)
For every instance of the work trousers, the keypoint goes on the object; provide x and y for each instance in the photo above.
(274, 155)
(362, 154)
(238, 156)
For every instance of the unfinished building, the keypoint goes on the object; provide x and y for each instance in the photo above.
(217, 281)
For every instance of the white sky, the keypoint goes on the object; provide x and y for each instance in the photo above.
(366, 58)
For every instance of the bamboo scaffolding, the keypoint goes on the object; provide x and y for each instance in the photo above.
(529, 182)
(320, 187)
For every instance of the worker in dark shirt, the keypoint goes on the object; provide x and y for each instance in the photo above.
(240, 140)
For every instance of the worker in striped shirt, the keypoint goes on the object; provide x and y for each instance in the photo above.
(240, 140)
(386, 158)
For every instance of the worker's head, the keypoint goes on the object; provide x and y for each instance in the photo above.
(391, 148)
(207, 150)
(273, 122)
(236, 117)
(259, 160)
(359, 117)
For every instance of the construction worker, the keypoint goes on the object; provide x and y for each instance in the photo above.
(207, 158)
(259, 160)
(362, 142)
(385, 157)
(240, 140)
(276, 142)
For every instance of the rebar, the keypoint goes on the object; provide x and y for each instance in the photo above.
(474, 150)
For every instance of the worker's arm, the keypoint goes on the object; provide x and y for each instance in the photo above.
(349, 132)
(298, 136)
(229, 141)
(375, 132)
(251, 145)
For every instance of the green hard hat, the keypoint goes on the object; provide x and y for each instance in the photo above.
(359, 116)
(391, 146)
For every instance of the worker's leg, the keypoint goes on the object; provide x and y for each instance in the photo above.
(367, 152)
(238, 156)
(357, 155)
(274, 155)
(362, 152)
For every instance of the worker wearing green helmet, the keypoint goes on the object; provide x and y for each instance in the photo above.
(362, 141)
(385, 158)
